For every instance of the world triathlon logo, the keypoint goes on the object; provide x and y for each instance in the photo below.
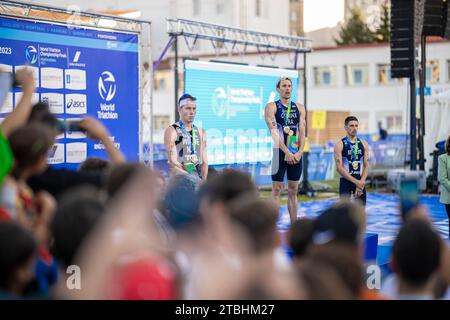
(107, 86)
(219, 102)
(31, 54)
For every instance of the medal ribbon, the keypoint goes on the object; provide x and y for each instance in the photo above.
(288, 112)
(354, 149)
(192, 142)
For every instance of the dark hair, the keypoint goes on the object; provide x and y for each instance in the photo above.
(40, 113)
(78, 212)
(28, 144)
(416, 252)
(350, 118)
(281, 79)
(228, 185)
(94, 164)
(345, 260)
(258, 219)
(120, 175)
(447, 145)
(17, 246)
(300, 236)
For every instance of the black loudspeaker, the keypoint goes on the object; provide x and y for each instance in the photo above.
(447, 20)
(435, 16)
(406, 26)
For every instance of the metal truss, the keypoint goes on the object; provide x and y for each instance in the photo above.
(72, 15)
(234, 36)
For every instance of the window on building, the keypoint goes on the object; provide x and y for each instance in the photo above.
(394, 123)
(196, 7)
(161, 122)
(448, 70)
(384, 74)
(293, 16)
(325, 76)
(356, 74)
(220, 7)
(258, 8)
(432, 71)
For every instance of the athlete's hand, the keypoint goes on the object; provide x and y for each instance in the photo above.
(360, 184)
(289, 158)
(358, 192)
(298, 156)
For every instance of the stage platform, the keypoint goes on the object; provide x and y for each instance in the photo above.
(383, 220)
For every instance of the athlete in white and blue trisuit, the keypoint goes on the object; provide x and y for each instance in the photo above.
(186, 143)
(351, 155)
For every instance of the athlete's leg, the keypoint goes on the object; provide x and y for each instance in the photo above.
(294, 173)
(277, 187)
(278, 171)
(292, 200)
(363, 198)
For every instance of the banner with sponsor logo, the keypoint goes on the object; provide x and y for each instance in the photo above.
(78, 72)
(231, 99)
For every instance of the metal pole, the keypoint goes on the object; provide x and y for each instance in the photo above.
(413, 127)
(422, 104)
(305, 186)
(177, 116)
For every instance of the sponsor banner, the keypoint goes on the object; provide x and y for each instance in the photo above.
(230, 107)
(75, 79)
(56, 154)
(52, 78)
(76, 152)
(7, 104)
(79, 72)
(55, 102)
(76, 104)
(6, 68)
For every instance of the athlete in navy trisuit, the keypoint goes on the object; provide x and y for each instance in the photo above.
(351, 155)
(286, 121)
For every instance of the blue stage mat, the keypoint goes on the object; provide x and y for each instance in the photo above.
(383, 218)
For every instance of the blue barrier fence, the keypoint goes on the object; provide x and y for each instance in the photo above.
(389, 153)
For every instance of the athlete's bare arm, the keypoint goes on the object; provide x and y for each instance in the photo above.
(204, 156)
(170, 136)
(302, 133)
(366, 167)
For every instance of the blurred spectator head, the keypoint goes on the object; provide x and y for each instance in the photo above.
(18, 249)
(78, 212)
(300, 236)
(30, 145)
(212, 172)
(40, 113)
(416, 253)
(447, 145)
(226, 186)
(94, 164)
(258, 219)
(336, 224)
(121, 175)
(357, 213)
(180, 203)
(321, 281)
(344, 260)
